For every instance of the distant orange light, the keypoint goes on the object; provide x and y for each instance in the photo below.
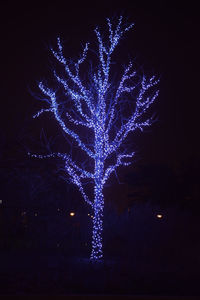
(159, 216)
(72, 214)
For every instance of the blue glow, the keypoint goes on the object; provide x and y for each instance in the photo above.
(100, 117)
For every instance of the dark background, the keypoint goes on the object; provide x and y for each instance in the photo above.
(165, 176)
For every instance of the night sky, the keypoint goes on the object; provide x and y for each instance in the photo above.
(164, 41)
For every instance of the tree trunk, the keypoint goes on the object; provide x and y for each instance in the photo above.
(97, 251)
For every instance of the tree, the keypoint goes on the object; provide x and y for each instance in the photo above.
(97, 102)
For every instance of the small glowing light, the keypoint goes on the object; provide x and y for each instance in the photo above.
(72, 214)
(88, 215)
(36, 214)
(0, 201)
(159, 216)
(58, 209)
(92, 217)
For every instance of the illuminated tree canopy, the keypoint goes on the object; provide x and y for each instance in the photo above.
(96, 103)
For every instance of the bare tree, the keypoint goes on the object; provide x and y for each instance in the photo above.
(96, 101)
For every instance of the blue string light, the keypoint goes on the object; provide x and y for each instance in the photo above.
(100, 117)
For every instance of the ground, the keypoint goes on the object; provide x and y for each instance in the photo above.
(26, 273)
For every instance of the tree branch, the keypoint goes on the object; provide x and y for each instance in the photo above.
(54, 108)
(119, 162)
